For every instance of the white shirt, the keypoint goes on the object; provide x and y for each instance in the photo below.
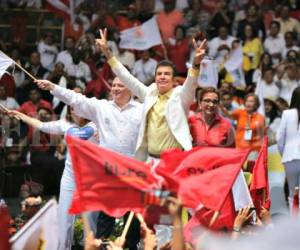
(274, 45)
(144, 71)
(64, 57)
(48, 55)
(126, 58)
(286, 50)
(80, 70)
(117, 128)
(10, 103)
(287, 88)
(270, 90)
(216, 42)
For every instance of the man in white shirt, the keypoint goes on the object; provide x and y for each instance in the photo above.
(270, 90)
(220, 45)
(65, 56)
(79, 69)
(144, 68)
(274, 43)
(48, 51)
(290, 42)
(8, 102)
(126, 57)
(117, 122)
(289, 82)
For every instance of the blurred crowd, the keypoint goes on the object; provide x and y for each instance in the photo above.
(267, 30)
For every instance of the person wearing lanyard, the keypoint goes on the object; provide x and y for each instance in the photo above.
(250, 128)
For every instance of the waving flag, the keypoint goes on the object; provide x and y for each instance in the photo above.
(141, 37)
(111, 182)
(63, 8)
(40, 232)
(208, 76)
(5, 62)
(234, 66)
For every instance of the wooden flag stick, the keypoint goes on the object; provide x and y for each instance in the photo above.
(214, 218)
(20, 67)
(86, 224)
(127, 225)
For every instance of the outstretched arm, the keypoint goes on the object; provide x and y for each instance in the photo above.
(190, 84)
(137, 88)
(83, 106)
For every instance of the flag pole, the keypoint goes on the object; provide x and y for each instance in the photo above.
(20, 67)
(127, 225)
(214, 218)
(86, 224)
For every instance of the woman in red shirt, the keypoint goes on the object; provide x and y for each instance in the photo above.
(207, 127)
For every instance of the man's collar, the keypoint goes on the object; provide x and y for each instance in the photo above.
(166, 95)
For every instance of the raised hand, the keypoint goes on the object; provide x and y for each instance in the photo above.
(101, 43)
(200, 51)
(45, 85)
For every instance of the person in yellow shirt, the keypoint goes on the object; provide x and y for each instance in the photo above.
(252, 47)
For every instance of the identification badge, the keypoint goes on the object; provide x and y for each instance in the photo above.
(248, 135)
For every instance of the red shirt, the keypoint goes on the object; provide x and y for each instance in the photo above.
(30, 109)
(179, 55)
(219, 133)
(8, 81)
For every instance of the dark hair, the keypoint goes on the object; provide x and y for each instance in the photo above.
(276, 23)
(274, 112)
(166, 63)
(208, 90)
(264, 67)
(254, 31)
(257, 102)
(290, 33)
(267, 69)
(227, 93)
(295, 100)
(182, 28)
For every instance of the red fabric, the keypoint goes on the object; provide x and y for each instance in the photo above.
(295, 207)
(8, 81)
(260, 186)
(199, 160)
(110, 182)
(124, 23)
(57, 11)
(203, 217)
(4, 225)
(179, 55)
(209, 189)
(216, 134)
(29, 108)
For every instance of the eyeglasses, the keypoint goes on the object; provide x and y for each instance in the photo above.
(208, 101)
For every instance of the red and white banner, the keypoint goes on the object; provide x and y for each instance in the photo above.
(62, 8)
(141, 37)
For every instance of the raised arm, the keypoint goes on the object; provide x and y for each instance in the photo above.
(190, 84)
(137, 88)
(83, 106)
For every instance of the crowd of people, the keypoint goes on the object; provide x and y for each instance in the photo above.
(142, 103)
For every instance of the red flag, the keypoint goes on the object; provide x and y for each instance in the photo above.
(4, 225)
(199, 160)
(209, 189)
(62, 8)
(110, 182)
(203, 217)
(260, 186)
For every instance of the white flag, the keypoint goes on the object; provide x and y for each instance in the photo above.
(208, 76)
(259, 91)
(241, 194)
(234, 66)
(141, 37)
(5, 62)
(40, 232)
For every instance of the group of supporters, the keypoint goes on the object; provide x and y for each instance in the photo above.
(99, 92)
